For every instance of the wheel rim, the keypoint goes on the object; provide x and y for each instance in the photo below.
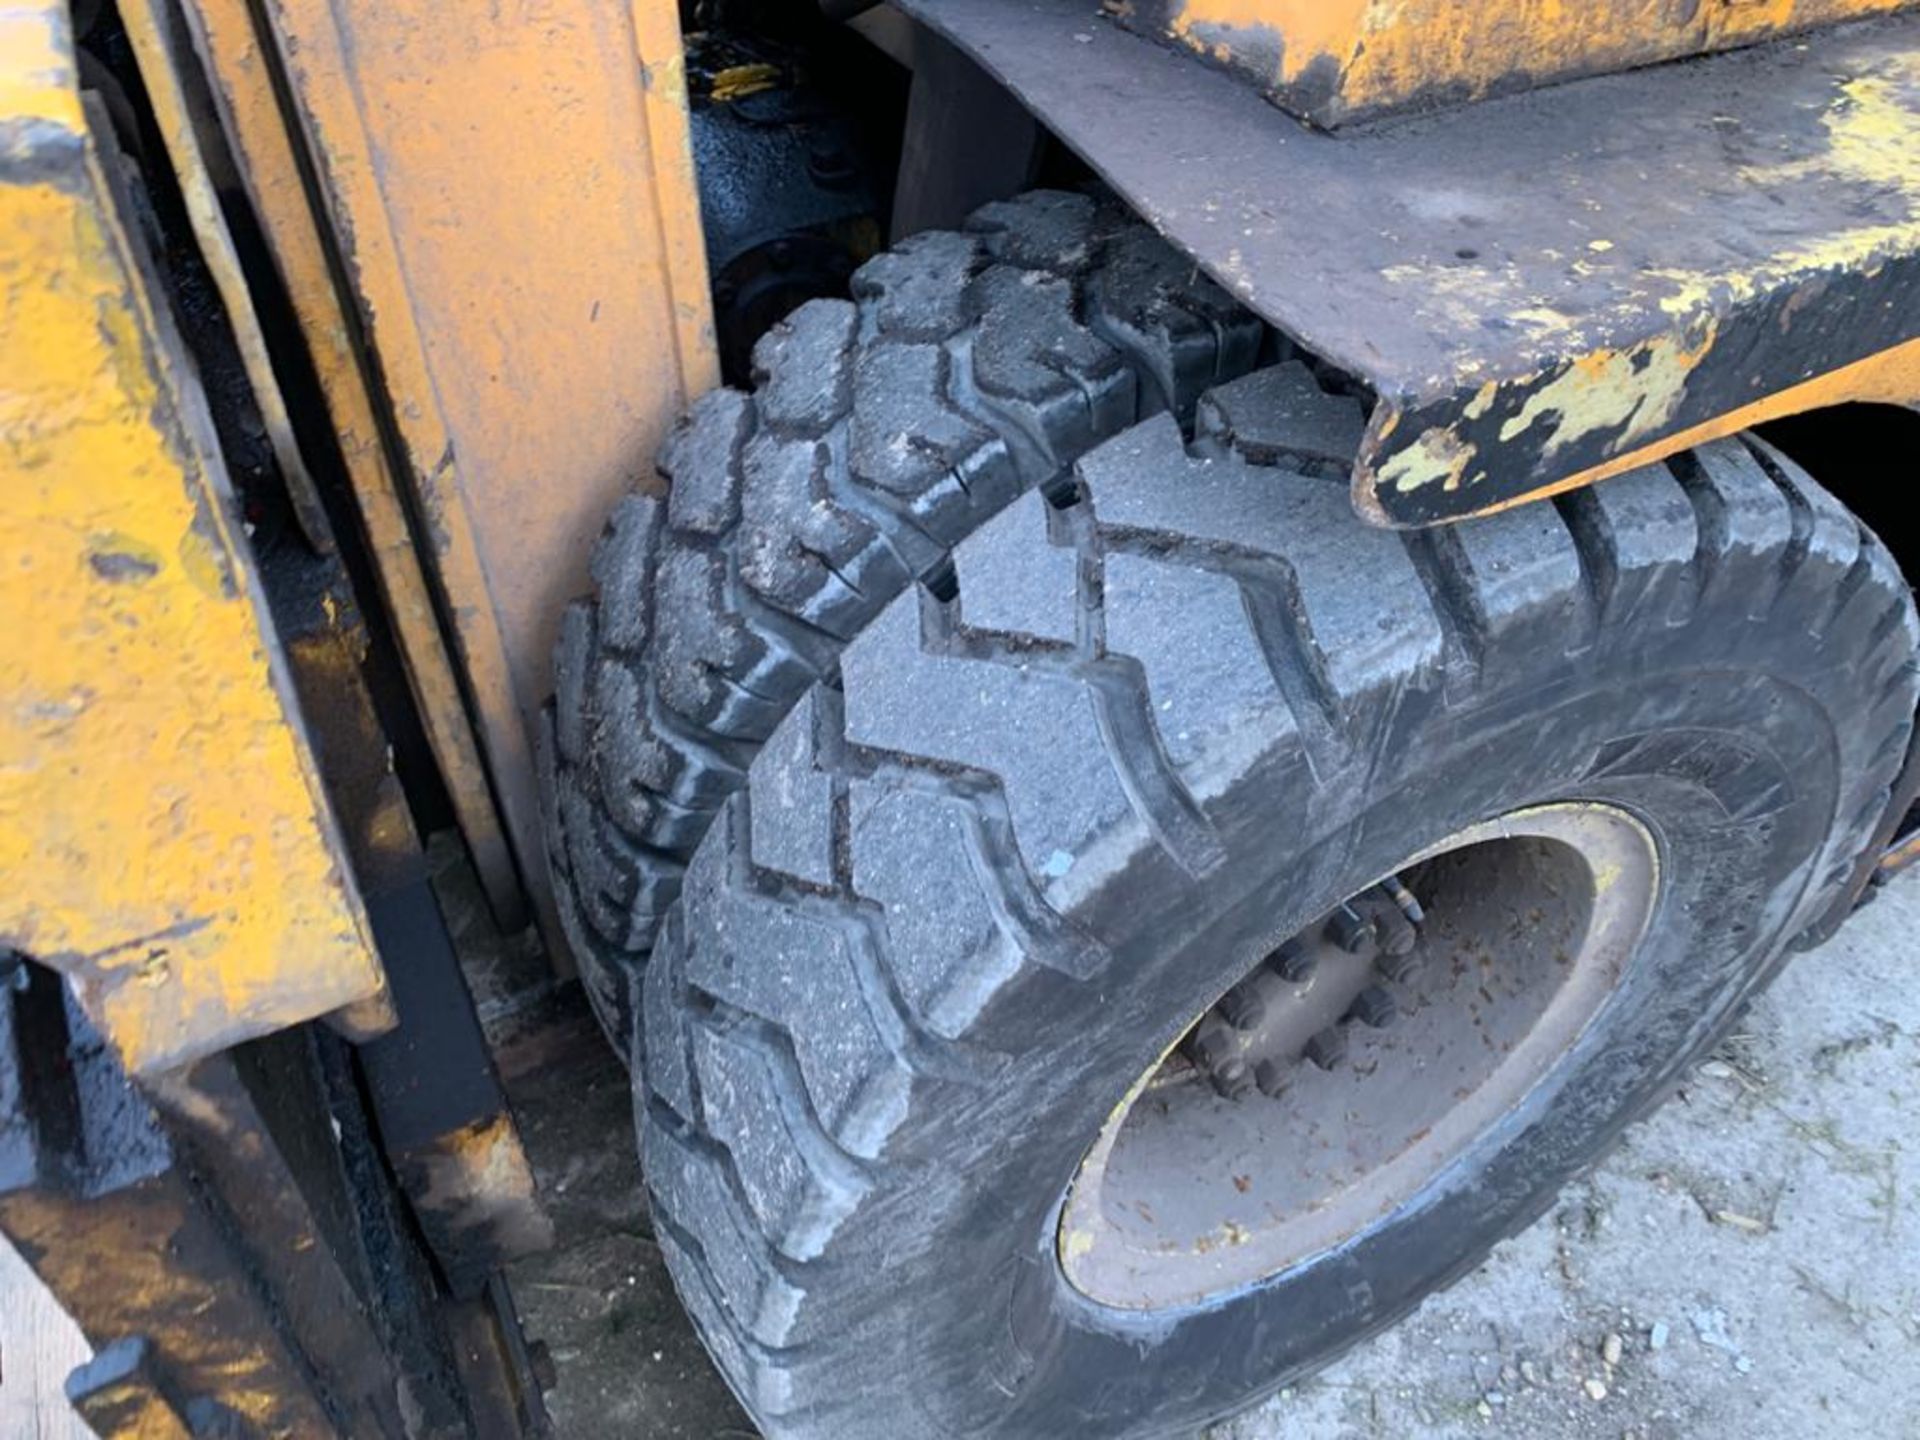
(1362, 1058)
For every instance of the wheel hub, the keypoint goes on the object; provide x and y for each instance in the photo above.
(1354, 967)
(1360, 1058)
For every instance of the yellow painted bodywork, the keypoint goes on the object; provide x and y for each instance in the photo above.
(241, 82)
(1340, 60)
(1633, 394)
(1891, 378)
(512, 187)
(164, 839)
(147, 33)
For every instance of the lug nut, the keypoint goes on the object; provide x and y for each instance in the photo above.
(1397, 933)
(1328, 1048)
(1234, 1080)
(1402, 969)
(1243, 1007)
(1294, 962)
(1212, 1043)
(1348, 929)
(1271, 1076)
(1375, 1007)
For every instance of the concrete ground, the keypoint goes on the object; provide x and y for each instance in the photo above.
(1746, 1265)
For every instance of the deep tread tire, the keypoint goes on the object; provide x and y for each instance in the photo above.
(969, 891)
(970, 367)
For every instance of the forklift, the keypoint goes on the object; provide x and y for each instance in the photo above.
(1153, 664)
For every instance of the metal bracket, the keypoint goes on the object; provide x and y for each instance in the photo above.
(1540, 290)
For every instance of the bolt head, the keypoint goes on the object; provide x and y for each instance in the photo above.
(1272, 1076)
(1234, 1080)
(1348, 929)
(1243, 1007)
(1402, 969)
(1397, 935)
(1294, 962)
(1328, 1048)
(1375, 1007)
(1212, 1043)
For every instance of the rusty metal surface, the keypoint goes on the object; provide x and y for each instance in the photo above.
(443, 1120)
(96, 1198)
(229, 1241)
(1387, 1069)
(443, 1117)
(242, 81)
(511, 191)
(119, 1395)
(1903, 856)
(1336, 61)
(1540, 289)
(144, 691)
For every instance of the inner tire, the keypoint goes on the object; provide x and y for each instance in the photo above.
(972, 893)
(968, 368)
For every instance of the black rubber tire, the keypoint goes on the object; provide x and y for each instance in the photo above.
(970, 367)
(969, 895)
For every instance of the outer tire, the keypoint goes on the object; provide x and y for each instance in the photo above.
(969, 368)
(967, 896)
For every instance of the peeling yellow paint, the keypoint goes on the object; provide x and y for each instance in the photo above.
(1312, 31)
(36, 67)
(1636, 392)
(1631, 395)
(1438, 457)
(257, 128)
(1891, 377)
(1873, 140)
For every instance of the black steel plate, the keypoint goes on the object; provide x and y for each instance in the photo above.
(1532, 286)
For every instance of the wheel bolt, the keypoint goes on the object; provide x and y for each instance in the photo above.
(1402, 969)
(1294, 962)
(1234, 1080)
(1271, 1076)
(1212, 1043)
(1397, 933)
(1328, 1048)
(1349, 930)
(1375, 1007)
(1243, 1007)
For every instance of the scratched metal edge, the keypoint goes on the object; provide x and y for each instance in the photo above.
(1332, 90)
(1481, 448)
(1454, 444)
